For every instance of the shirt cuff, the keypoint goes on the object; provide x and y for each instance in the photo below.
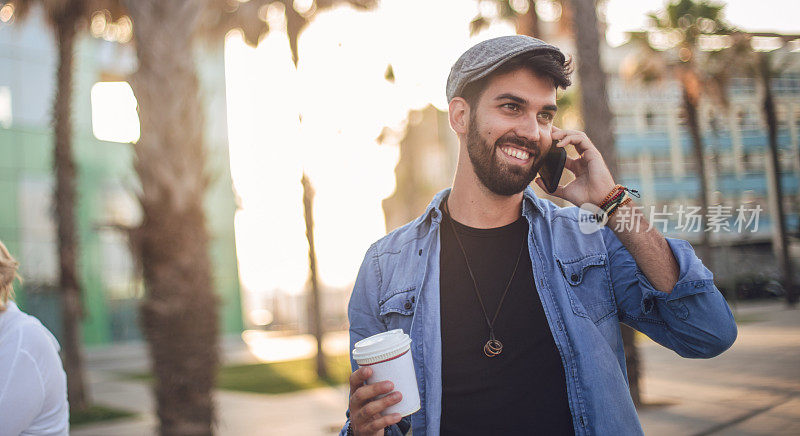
(693, 278)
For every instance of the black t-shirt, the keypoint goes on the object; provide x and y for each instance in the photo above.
(522, 390)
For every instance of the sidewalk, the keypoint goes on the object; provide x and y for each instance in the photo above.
(752, 389)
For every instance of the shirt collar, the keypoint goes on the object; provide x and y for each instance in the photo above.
(530, 202)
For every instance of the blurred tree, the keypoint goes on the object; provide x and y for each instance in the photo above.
(765, 74)
(597, 117)
(739, 58)
(314, 303)
(684, 22)
(67, 19)
(179, 314)
(520, 12)
(525, 16)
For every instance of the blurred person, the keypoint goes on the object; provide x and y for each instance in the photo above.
(33, 385)
(513, 304)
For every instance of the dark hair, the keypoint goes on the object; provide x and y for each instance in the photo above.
(544, 65)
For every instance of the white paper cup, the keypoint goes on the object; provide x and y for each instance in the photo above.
(389, 356)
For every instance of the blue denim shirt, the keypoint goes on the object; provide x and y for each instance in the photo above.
(587, 284)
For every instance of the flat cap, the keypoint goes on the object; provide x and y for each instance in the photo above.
(485, 57)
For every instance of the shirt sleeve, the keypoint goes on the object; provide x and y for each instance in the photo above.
(694, 320)
(363, 315)
(22, 398)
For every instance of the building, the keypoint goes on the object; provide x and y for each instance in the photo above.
(106, 182)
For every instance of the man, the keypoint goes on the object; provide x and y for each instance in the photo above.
(511, 303)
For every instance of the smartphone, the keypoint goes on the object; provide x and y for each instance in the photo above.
(553, 166)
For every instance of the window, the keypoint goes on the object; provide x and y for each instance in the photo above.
(114, 116)
(38, 260)
(662, 166)
(5, 107)
(655, 121)
(747, 119)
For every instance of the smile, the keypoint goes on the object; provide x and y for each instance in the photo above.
(515, 153)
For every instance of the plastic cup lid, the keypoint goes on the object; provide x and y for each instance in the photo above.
(381, 344)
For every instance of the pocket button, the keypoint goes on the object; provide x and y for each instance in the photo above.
(574, 277)
(408, 305)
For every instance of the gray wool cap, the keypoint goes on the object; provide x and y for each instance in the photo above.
(485, 57)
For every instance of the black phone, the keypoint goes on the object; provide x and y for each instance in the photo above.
(553, 166)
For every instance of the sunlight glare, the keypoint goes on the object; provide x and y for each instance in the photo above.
(323, 118)
(114, 116)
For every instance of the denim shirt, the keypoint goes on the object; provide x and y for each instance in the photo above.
(587, 283)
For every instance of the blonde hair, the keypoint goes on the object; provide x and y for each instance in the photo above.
(8, 272)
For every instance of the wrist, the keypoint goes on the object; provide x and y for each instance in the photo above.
(617, 198)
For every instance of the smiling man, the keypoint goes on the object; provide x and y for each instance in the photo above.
(512, 307)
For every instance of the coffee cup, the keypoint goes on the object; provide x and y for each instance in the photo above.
(388, 354)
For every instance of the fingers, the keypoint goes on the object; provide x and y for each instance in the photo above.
(574, 137)
(376, 407)
(366, 409)
(574, 165)
(378, 424)
(579, 141)
(366, 393)
(359, 377)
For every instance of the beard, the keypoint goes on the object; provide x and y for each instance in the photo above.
(500, 177)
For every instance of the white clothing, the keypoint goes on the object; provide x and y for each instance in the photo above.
(33, 385)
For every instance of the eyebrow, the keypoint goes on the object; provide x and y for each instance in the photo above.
(522, 101)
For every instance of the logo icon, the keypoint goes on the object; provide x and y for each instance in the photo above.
(591, 218)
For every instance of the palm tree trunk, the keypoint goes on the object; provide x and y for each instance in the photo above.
(774, 176)
(65, 196)
(598, 120)
(690, 108)
(599, 124)
(528, 23)
(179, 314)
(314, 304)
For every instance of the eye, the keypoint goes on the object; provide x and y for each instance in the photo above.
(511, 106)
(546, 117)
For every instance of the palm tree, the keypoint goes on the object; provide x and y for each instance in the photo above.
(689, 20)
(765, 73)
(596, 113)
(64, 17)
(179, 315)
(521, 13)
(740, 59)
(314, 304)
(67, 18)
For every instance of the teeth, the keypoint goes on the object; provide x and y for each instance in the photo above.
(519, 154)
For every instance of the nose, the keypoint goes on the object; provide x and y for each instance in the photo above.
(529, 129)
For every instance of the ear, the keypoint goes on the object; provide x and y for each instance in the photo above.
(459, 115)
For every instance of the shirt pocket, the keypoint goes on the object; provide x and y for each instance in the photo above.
(588, 286)
(397, 308)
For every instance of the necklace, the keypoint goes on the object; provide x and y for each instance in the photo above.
(493, 346)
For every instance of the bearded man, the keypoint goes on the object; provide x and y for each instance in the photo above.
(512, 305)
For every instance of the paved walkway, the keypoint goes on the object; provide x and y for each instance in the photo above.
(752, 389)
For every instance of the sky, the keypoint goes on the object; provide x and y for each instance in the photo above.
(323, 118)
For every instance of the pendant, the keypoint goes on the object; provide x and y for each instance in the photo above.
(492, 348)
